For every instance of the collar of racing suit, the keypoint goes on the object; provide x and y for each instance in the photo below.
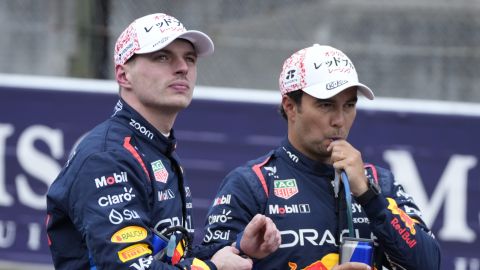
(299, 160)
(129, 116)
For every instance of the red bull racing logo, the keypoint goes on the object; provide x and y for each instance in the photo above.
(408, 222)
(326, 263)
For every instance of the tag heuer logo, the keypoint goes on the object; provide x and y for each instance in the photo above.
(285, 188)
(159, 171)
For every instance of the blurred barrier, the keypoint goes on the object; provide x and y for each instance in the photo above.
(420, 49)
(430, 146)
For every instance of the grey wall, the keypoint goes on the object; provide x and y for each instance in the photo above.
(427, 49)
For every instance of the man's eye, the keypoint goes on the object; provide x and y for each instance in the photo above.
(161, 57)
(191, 59)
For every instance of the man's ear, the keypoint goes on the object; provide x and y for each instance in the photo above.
(289, 106)
(121, 76)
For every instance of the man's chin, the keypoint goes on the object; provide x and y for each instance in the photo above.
(322, 152)
(179, 105)
(179, 101)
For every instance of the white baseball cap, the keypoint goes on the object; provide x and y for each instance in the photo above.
(320, 71)
(154, 32)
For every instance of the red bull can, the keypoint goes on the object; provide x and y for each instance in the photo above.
(356, 250)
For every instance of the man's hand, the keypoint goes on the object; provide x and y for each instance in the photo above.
(346, 157)
(260, 237)
(352, 266)
(227, 258)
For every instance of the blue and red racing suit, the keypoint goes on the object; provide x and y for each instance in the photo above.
(298, 194)
(122, 183)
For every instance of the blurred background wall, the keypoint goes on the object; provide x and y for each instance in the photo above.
(426, 49)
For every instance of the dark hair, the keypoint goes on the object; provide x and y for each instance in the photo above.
(296, 96)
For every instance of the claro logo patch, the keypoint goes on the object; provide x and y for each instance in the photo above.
(110, 200)
(129, 234)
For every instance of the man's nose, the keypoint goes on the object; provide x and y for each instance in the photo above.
(181, 66)
(338, 118)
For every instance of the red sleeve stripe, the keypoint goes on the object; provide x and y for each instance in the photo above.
(261, 178)
(47, 220)
(131, 149)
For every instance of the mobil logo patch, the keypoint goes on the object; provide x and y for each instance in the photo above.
(275, 209)
(109, 180)
(159, 171)
(224, 199)
(129, 234)
(285, 188)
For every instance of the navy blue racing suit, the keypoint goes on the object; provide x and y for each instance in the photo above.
(298, 194)
(122, 183)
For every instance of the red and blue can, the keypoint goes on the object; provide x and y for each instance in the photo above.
(356, 250)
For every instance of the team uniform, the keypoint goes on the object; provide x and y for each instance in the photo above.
(122, 183)
(298, 195)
